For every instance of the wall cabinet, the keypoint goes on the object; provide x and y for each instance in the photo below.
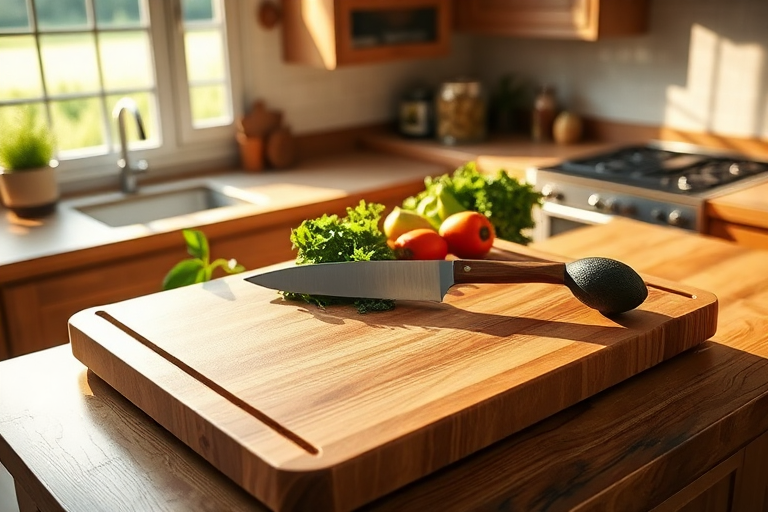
(559, 19)
(333, 33)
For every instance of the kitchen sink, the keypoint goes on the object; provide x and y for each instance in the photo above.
(141, 209)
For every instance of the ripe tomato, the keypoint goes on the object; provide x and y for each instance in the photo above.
(421, 244)
(469, 234)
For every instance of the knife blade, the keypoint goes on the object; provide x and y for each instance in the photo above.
(604, 284)
(402, 279)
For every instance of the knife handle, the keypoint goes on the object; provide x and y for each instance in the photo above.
(489, 271)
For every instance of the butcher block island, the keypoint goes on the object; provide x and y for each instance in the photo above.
(329, 409)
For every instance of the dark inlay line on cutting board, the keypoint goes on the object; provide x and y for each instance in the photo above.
(218, 389)
(672, 290)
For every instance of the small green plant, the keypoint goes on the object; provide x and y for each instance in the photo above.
(26, 143)
(198, 268)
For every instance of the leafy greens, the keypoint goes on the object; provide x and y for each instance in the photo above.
(330, 239)
(506, 202)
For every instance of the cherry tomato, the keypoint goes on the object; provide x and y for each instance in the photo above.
(469, 234)
(421, 244)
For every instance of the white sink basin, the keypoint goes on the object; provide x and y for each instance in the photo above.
(142, 209)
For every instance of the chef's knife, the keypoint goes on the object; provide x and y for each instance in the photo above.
(601, 283)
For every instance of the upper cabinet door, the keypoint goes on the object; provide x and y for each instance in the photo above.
(558, 19)
(333, 33)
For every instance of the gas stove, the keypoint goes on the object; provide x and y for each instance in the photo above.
(659, 169)
(661, 183)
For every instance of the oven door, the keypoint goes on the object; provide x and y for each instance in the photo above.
(553, 219)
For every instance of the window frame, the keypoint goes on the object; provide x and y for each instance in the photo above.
(182, 148)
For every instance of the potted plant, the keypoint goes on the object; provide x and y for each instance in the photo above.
(28, 185)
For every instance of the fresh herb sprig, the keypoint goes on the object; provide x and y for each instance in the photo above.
(332, 239)
(506, 202)
(198, 268)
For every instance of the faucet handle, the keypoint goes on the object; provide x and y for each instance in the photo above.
(141, 166)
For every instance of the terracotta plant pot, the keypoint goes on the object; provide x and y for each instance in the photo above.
(30, 193)
(251, 152)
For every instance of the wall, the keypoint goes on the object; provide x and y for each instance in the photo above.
(314, 99)
(702, 67)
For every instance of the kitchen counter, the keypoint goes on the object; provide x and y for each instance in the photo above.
(745, 207)
(29, 246)
(513, 153)
(691, 430)
(748, 207)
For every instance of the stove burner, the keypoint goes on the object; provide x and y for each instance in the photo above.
(659, 169)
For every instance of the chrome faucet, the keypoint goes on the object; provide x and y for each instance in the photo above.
(127, 172)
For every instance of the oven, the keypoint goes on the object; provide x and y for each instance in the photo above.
(660, 183)
(552, 219)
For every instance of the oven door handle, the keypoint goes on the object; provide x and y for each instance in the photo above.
(575, 214)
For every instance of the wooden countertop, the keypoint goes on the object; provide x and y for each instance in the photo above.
(71, 441)
(512, 153)
(748, 206)
(71, 239)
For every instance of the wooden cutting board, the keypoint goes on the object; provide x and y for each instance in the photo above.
(312, 409)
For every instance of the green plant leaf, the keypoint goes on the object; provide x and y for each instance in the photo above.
(185, 272)
(26, 142)
(197, 244)
(230, 266)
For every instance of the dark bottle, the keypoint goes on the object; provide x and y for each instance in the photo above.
(416, 116)
(544, 112)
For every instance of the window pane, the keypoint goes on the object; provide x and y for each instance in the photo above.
(78, 123)
(59, 52)
(126, 60)
(13, 15)
(146, 104)
(210, 105)
(56, 14)
(205, 55)
(197, 10)
(119, 13)
(20, 75)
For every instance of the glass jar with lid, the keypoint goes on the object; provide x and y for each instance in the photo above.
(460, 108)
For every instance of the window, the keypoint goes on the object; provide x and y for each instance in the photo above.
(70, 61)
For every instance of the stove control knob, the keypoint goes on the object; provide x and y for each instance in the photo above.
(596, 202)
(628, 209)
(611, 205)
(549, 192)
(676, 218)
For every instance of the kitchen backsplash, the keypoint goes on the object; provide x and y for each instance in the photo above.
(703, 66)
(316, 100)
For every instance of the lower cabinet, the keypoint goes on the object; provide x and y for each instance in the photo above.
(4, 349)
(36, 311)
(748, 236)
(738, 484)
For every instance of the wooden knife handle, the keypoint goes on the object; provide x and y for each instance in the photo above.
(488, 271)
